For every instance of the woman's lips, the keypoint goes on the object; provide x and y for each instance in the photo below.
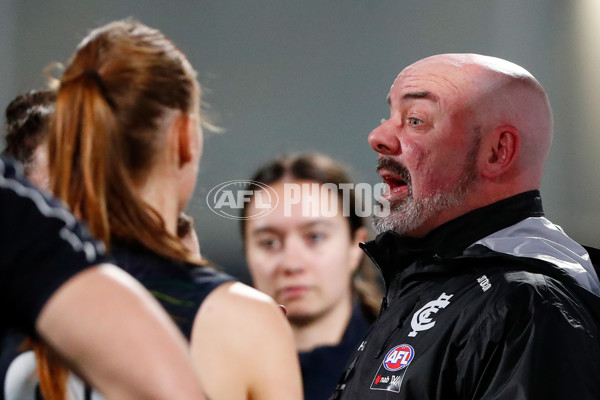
(292, 292)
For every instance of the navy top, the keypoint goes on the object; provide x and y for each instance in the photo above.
(42, 245)
(323, 366)
(179, 287)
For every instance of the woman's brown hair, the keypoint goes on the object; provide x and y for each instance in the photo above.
(106, 130)
(113, 98)
(322, 169)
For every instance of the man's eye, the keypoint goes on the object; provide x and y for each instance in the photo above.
(412, 121)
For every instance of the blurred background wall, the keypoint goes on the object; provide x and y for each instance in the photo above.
(286, 76)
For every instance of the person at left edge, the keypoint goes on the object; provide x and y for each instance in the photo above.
(57, 285)
(24, 373)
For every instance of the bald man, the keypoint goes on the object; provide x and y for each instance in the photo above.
(486, 298)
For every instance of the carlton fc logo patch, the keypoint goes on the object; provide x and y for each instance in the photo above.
(392, 369)
(422, 320)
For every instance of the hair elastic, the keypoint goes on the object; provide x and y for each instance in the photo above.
(92, 73)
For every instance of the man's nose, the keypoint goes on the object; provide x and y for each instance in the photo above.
(384, 139)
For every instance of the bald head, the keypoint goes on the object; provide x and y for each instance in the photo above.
(499, 93)
(464, 131)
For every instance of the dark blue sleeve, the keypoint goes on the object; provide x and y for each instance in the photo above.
(42, 245)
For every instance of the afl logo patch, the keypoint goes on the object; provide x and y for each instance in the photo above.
(394, 366)
(399, 357)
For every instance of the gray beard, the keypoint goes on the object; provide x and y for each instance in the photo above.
(409, 214)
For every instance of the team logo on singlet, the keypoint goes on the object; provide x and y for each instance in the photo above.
(392, 369)
(422, 320)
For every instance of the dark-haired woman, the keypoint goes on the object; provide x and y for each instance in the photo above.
(27, 120)
(305, 254)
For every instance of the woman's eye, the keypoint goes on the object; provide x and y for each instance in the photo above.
(412, 121)
(315, 237)
(269, 243)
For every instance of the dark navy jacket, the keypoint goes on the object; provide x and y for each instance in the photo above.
(462, 321)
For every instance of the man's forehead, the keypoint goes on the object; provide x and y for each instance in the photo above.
(432, 84)
(447, 77)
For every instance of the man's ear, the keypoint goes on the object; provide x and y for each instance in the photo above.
(499, 151)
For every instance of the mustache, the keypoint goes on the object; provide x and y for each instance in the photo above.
(396, 167)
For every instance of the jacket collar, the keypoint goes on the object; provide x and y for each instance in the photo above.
(452, 238)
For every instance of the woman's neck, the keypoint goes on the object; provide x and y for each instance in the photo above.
(159, 195)
(325, 330)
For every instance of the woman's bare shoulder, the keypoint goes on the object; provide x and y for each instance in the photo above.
(240, 325)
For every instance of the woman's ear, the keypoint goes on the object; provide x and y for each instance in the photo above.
(499, 151)
(179, 139)
(182, 132)
(185, 141)
(356, 253)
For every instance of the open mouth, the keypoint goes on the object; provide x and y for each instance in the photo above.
(398, 186)
(395, 183)
(395, 175)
